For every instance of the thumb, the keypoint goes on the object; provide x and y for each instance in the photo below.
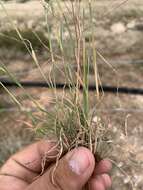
(72, 172)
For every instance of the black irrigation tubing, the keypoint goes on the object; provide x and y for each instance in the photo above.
(41, 84)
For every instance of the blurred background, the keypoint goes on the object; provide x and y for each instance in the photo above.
(119, 40)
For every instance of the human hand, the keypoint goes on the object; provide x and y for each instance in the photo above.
(73, 171)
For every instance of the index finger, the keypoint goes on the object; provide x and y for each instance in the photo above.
(27, 164)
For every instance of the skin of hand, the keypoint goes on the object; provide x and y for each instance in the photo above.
(73, 171)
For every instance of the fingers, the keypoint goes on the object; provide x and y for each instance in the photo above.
(104, 166)
(26, 164)
(72, 172)
(100, 182)
(12, 183)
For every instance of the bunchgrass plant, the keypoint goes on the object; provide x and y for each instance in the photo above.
(71, 120)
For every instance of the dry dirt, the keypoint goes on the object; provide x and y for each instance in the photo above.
(118, 25)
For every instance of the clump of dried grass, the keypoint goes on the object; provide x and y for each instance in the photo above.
(71, 121)
(69, 126)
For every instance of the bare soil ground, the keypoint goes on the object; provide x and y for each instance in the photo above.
(118, 25)
(119, 37)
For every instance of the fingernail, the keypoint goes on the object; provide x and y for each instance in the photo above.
(79, 161)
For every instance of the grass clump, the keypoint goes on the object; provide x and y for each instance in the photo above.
(71, 121)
